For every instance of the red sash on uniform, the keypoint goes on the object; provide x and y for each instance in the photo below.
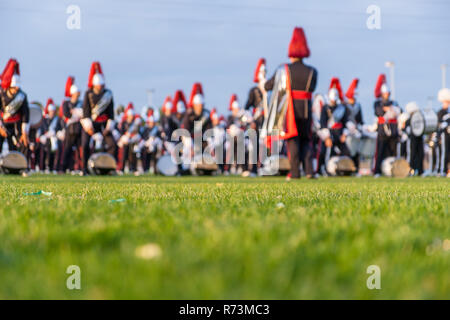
(12, 119)
(101, 118)
(337, 126)
(291, 127)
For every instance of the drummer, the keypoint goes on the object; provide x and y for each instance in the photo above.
(355, 117)
(387, 111)
(49, 143)
(444, 130)
(71, 114)
(98, 114)
(14, 110)
(333, 122)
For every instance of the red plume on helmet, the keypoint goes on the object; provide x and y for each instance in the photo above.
(380, 81)
(261, 62)
(95, 68)
(350, 94)
(178, 97)
(70, 81)
(213, 114)
(166, 103)
(11, 68)
(233, 100)
(335, 83)
(49, 102)
(298, 48)
(196, 89)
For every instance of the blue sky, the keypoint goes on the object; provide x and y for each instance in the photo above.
(169, 44)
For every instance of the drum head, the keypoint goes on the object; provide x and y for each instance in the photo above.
(400, 168)
(35, 116)
(13, 163)
(345, 166)
(102, 164)
(166, 166)
(417, 124)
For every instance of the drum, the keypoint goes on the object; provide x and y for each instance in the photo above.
(395, 167)
(35, 116)
(341, 166)
(166, 166)
(423, 122)
(204, 168)
(13, 163)
(102, 163)
(276, 165)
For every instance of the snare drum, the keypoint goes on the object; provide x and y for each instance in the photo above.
(395, 167)
(423, 122)
(102, 163)
(166, 166)
(13, 163)
(340, 166)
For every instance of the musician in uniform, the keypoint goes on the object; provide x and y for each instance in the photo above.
(98, 114)
(300, 83)
(130, 137)
(196, 111)
(71, 113)
(333, 123)
(14, 110)
(354, 116)
(151, 144)
(168, 126)
(386, 110)
(235, 129)
(49, 143)
(444, 130)
(178, 110)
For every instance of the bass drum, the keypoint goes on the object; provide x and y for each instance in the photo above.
(423, 122)
(395, 167)
(166, 166)
(13, 163)
(35, 116)
(341, 166)
(101, 164)
(276, 165)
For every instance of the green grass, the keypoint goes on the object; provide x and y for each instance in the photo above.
(225, 238)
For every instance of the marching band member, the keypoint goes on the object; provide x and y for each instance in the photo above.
(72, 112)
(333, 123)
(301, 83)
(167, 124)
(130, 137)
(14, 110)
(49, 142)
(444, 130)
(98, 115)
(196, 111)
(151, 144)
(414, 146)
(257, 94)
(217, 141)
(387, 111)
(179, 106)
(235, 135)
(355, 116)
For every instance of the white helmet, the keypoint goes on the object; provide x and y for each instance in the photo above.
(98, 80)
(15, 81)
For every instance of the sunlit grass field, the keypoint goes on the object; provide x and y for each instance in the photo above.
(224, 237)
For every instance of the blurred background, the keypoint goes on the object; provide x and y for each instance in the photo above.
(167, 45)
